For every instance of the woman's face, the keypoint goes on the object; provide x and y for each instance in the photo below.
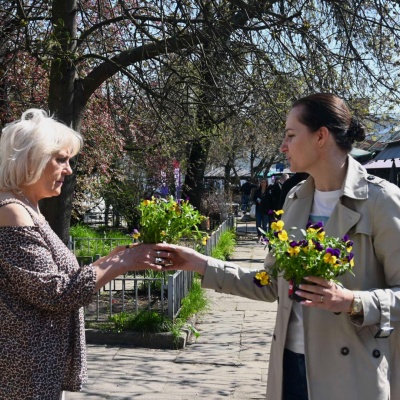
(52, 179)
(299, 144)
(263, 183)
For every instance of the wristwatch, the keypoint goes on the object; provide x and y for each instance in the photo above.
(356, 305)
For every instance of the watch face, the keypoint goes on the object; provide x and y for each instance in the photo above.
(357, 305)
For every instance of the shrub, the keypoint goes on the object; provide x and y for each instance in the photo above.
(225, 246)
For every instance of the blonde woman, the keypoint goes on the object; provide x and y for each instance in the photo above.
(42, 287)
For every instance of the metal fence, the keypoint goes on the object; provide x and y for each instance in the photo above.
(140, 290)
(180, 282)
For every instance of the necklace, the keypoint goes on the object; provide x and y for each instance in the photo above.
(35, 208)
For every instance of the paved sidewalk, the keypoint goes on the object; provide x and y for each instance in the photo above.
(228, 360)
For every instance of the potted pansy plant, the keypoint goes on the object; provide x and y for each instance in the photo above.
(315, 254)
(169, 220)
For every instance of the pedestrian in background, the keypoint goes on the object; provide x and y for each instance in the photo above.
(289, 184)
(263, 201)
(276, 191)
(245, 190)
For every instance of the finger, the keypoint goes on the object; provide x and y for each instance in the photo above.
(162, 254)
(319, 281)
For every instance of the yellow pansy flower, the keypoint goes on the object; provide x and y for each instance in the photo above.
(330, 259)
(294, 251)
(263, 278)
(283, 236)
(277, 225)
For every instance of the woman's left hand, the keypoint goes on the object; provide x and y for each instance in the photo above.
(324, 294)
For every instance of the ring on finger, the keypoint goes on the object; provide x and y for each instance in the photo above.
(321, 299)
(158, 260)
(158, 253)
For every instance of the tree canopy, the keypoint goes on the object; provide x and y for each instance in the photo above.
(164, 78)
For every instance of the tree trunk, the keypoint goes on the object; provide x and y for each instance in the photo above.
(62, 99)
(194, 179)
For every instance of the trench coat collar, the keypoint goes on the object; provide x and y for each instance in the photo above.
(343, 218)
(355, 185)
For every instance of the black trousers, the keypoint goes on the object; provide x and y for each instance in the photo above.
(294, 376)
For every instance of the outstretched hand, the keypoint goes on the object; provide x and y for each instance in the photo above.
(172, 257)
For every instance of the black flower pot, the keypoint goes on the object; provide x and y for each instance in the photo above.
(294, 286)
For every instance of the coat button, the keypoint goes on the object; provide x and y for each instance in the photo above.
(345, 351)
(370, 177)
(376, 353)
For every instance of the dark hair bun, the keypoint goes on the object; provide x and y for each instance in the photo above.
(356, 131)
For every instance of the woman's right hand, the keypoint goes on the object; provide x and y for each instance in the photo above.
(182, 258)
(123, 259)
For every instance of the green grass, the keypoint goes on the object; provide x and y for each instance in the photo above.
(194, 303)
(101, 232)
(89, 242)
(145, 321)
(225, 246)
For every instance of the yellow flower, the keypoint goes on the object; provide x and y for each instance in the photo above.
(135, 234)
(293, 251)
(204, 240)
(279, 212)
(277, 225)
(163, 233)
(263, 278)
(329, 258)
(321, 236)
(283, 236)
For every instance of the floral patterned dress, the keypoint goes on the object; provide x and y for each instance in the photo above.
(42, 291)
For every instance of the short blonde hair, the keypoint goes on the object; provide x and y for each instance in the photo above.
(26, 146)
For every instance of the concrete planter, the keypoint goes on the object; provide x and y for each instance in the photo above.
(164, 340)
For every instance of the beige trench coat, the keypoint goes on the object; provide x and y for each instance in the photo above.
(344, 359)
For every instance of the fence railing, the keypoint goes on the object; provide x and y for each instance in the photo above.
(136, 291)
(180, 282)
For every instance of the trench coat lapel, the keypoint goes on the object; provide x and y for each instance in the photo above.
(341, 221)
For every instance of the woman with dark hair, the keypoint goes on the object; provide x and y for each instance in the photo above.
(343, 340)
